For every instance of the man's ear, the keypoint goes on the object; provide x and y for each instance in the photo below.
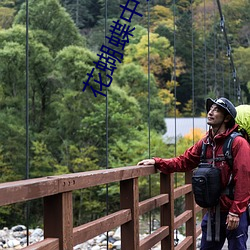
(227, 118)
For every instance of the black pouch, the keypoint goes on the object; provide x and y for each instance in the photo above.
(206, 183)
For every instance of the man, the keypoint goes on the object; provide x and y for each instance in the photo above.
(221, 115)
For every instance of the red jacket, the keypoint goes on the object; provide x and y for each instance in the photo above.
(241, 167)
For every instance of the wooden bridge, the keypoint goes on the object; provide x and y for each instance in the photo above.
(56, 192)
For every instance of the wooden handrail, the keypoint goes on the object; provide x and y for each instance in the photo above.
(56, 191)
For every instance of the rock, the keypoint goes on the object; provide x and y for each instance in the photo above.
(103, 243)
(18, 228)
(117, 234)
(38, 232)
(100, 238)
(3, 233)
(18, 247)
(81, 246)
(13, 243)
(111, 239)
(95, 248)
(111, 233)
(16, 238)
(91, 242)
(117, 244)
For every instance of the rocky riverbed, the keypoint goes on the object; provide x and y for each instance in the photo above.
(16, 238)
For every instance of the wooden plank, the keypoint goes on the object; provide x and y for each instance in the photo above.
(152, 203)
(190, 205)
(198, 231)
(99, 177)
(185, 244)
(178, 192)
(154, 238)
(58, 219)
(129, 196)
(24, 190)
(46, 244)
(198, 209)
(167, 210)
(90, 230)
(182, 218)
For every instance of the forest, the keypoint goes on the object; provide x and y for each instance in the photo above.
(176, 58)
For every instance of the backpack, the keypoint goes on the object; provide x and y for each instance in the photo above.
(243, 120)
(206, 179)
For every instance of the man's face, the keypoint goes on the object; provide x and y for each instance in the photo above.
(215, 116)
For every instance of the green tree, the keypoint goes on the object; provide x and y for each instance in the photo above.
(242, 64)
(132, 78)
(85, 14)
(53, 25)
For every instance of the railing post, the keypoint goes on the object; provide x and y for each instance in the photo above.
(167, 210)
(190, 205)
(129, 198)
(58, 219)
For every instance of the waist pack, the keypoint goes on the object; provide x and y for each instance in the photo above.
(206, 185)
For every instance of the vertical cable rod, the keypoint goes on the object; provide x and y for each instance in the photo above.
(205, 50)
(27, 207)
(215, 52)
(107, 113)
(149, 120)
(175, 95)
(174, 73)
(193, 94)
(237, 87)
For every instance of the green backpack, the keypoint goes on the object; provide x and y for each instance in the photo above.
(243, 120)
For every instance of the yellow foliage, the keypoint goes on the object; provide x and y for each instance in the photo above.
(172, 84)
(161, 15)
(6, 17)
(203, 114)
(188, 108)
(166, 96)
(195, 134)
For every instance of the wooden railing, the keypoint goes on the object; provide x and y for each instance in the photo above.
(59, 232)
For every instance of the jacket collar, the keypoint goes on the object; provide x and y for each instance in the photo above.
(221, 136)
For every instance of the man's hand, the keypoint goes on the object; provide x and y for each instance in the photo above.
(232, 221)
(146, 162)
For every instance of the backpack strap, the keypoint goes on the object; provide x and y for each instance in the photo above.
(227, 148)
(203, 152)
(227, 151)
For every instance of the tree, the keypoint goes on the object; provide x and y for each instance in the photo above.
(53, 25)
(85, 14)
(161, 16)
(242, 65)
(6, 16)
(12, 124)
(161, 57)
(132, 78)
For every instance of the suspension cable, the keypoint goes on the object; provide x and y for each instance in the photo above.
(215, 51)
(27, 207)
(229, 53)
(205, 50)
(175, 95)
(174, 73)
(192, 77)
(107, 113)
(149, 120)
